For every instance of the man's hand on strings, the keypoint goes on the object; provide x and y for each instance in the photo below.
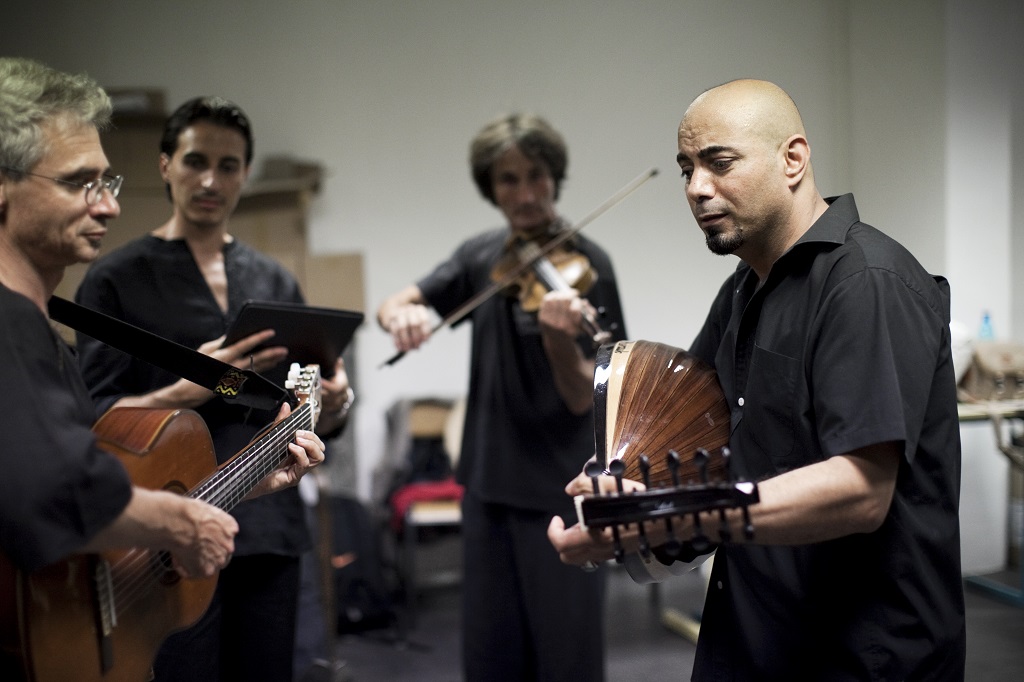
(305, 453)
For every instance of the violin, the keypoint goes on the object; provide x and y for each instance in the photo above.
(542, 252)
(561, 269)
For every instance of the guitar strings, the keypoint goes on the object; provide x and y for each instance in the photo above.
(134, 573)
(138, 570)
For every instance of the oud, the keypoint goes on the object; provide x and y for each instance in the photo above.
(102, 617)
(660, 417)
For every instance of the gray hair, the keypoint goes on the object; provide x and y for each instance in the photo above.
(32, 94)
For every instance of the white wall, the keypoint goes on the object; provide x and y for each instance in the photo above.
(386, 94)
(984, 141)
(898, 118)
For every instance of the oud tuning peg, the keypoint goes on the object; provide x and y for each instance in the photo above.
(643, 546)
(723, 527)
(617, 469)
(701, 457)
(727, 462)
(700, 541)
(593, 470)
(620, 554)
(674, 461)
(723, 531)
(672, 545)
(645, 470)
(748, 527)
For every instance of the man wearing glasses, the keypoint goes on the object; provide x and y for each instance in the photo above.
(60, 494)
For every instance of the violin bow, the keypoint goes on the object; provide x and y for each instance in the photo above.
(514, 274)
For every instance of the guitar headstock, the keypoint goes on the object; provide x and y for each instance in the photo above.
(304, 382)
(621, 509)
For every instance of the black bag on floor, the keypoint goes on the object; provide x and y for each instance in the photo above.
(360, 585)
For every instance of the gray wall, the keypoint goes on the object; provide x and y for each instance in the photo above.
(387, 94)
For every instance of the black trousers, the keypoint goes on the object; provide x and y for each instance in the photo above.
(248, 633)
(526, 616)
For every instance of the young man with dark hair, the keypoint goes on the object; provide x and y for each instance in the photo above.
(186, 281)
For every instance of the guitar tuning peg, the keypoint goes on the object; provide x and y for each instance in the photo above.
(645, 470)
(727, 462)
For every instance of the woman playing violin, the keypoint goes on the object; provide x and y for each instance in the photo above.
(529, 422)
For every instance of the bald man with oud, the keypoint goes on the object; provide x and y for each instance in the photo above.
(831, 343)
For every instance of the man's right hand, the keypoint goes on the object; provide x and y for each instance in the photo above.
(199, 536)
(203, 538)
(409, 326)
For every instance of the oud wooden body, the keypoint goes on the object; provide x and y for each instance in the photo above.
(56, 606)
(650, 398)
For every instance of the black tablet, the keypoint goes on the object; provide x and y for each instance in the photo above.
(312, 335)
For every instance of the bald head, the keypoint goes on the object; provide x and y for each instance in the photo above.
(756, 108)
(747, 166)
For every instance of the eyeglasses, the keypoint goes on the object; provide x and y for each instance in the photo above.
(93, 188)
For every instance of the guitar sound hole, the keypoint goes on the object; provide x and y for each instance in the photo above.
(164, 567)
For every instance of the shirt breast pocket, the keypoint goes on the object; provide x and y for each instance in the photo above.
(769, 407)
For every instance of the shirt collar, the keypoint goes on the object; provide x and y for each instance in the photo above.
(831, 227)
(828, 231)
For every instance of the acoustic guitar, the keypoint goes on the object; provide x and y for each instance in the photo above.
(102, 617)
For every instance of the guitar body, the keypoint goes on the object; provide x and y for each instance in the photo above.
(59, 616)
(102, 617)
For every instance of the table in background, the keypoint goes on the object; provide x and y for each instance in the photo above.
(997, 411)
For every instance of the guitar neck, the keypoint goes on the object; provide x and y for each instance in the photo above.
(237, 477)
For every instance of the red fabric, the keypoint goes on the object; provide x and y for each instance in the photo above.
(446, 489)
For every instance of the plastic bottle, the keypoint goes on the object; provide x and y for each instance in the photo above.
(985, 331)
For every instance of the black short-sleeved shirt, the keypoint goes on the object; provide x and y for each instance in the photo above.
(845, 345)
(58, 489)
(520, 443)
(156, 284)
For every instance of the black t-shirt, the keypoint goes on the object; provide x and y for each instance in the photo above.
(58, 489)
(520, 444)
(156, 284)
(845, 345)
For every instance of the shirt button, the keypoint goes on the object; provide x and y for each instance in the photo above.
(720, 585)
(740, 402)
